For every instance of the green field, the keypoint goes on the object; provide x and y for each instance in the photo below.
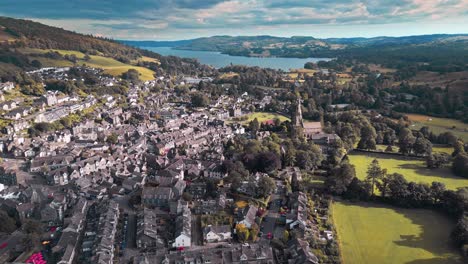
(372, 233)
(440, 125)
(261, 117)
(109, 65)
(411, 169)
(264, 116)
(435, 149)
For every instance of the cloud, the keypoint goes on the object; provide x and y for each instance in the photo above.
(180, 18)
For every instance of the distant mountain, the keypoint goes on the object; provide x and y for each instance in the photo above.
(150, 43)
(440, 53)
(298, 46)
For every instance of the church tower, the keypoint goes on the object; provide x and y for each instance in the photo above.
(297, 124)
(297, 115)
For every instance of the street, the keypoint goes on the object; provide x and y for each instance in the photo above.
(269, 221)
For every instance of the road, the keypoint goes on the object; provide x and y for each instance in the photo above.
(269, 221)
(197, 236)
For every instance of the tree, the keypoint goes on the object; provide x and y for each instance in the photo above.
(267, 162)
(368, 136)
(437, 160)
(358, 189)
(8, 223)
(460, 165)
(254, 126)
(458, 148)
(242, 232)
(285, 236)
(266, 186)
(397, 188)
(340, 178)
(112, 138)
(303, 160)
(199, 100)
(131, 75)
(422, 146)
(375, 174)
(406, 141)
(290, 156)
(254, 230)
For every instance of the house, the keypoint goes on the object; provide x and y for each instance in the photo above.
(25, 211)
(324, 139)
(7, 177)
(247, 216)
(197, 189)
(298, 217)
(7, 86)
(217, 233)
(157, 196)
(235, 112)
(179, 188)
(183, 230)
(17, 113)
(8, 105)
(258, 253)
(299, 252)
(52, 115)
(50, 98)
(147, 235)
(290, 173)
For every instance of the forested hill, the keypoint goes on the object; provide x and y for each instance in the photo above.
(36, 35)
(26, 45)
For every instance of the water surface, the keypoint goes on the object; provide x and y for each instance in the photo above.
(218, 60)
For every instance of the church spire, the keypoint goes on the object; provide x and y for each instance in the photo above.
(297, 115)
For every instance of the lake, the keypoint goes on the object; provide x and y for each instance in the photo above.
(218, 60)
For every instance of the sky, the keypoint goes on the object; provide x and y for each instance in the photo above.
(186, 19)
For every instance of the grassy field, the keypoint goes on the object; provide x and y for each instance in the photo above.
(440, 125)
(109, 65)
(372, 233)
(295, 72)
(411, 169)
(264, 116)
(435, 149)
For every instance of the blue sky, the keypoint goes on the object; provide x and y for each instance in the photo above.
(185, 19)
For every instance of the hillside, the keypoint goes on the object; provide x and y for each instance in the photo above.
(26, 45)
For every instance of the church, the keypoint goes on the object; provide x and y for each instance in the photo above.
(310, 130)
(301, 128)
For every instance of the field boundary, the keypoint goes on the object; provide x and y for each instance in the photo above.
(389, 153)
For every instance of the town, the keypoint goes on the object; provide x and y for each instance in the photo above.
(145, 177)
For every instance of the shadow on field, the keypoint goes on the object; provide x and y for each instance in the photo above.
(431, 238)
(421, 170)
(435, 261)
(434, 234)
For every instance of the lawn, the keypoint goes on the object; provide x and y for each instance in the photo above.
(440, 125)
(109, 65)
(264, 116)
(412, 169)
(372, 233)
